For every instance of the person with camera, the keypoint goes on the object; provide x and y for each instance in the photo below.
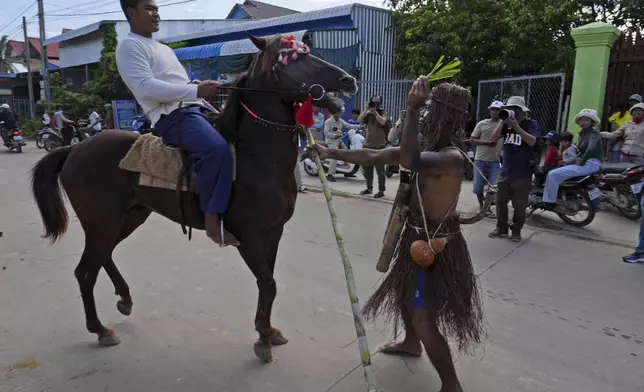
(378, 126)
(488, 151)
(520, 135)
(333, 132)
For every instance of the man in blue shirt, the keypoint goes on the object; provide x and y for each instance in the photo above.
(318, 124)
(520, 135)
(355, 113)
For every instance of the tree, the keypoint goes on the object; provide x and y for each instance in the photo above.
(499, 37)
(107, 83)
(5, 55)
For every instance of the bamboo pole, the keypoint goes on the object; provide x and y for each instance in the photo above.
(361, 334)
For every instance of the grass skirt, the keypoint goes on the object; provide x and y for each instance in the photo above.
(450, 284)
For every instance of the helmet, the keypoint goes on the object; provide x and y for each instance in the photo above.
(4, 106)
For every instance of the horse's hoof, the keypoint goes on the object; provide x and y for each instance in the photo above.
(108, 339)
(276, 337)
(124, 308)
(263, 351)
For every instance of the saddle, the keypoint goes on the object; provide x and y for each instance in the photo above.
(165, 166)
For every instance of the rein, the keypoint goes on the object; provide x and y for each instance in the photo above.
(270, 124)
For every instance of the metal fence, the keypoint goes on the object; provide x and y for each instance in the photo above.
(544, 95)
(393, 93)
(19, 105)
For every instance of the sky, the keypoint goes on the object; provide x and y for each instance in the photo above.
(73, 14)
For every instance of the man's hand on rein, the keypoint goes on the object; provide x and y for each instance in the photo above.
(208, 89)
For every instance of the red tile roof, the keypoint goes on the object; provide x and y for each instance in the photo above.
(19, 48)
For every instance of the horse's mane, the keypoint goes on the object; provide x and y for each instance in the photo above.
(227, 123)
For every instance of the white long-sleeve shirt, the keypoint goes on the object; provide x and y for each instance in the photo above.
(155, 76)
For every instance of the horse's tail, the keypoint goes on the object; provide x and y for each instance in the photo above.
(45, 186)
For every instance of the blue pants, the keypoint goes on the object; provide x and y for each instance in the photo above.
(420, 291)
(490, 170)
(207, 150)
(640, 246)
(559, 175)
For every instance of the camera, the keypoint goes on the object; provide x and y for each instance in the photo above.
(372, 104)
(505, 114)
(335, 129)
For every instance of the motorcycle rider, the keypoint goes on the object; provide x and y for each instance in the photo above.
(95, 121)
(9, 118)
(61, 123)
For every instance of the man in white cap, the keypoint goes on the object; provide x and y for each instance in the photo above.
(488, 151)
(590, 155)
(634, 100)
(520, 134)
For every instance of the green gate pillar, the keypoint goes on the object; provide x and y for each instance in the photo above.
(594, 42)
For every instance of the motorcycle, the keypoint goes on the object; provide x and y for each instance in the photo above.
(390, 170)
(346, 168)
(54, 138)
(141, 124)
(621, 186)
(13, 139)
(84, 130)
(469, 169)
(577, 194)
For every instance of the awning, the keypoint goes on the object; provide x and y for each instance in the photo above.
(231, 48)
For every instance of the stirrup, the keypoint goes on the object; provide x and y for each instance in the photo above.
(221, 223)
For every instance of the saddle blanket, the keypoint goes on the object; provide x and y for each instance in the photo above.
(158, 165)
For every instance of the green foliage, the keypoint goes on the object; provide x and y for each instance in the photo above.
(5, 54)
(177, 45)
(30, 127)
(499, 37)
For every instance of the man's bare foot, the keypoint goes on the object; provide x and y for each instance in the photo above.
(214, 231)
(404, 348)
(451, 388)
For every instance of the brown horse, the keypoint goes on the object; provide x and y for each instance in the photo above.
(259, 119)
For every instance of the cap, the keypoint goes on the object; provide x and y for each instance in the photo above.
(496, 105)
(552, 136)
(635, 97)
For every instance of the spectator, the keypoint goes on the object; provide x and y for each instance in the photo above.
(520, 134)
(553, 155)
(638, 255)
(632, 133)
(333, 132)
(378, 126)
(617, 120)
(346, 139)
(318, 124)
(298, 175)
(590, 148)
(488, 151)
(95, 121)
(396, 130)
(570, 151)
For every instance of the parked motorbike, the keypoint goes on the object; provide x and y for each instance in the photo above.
(84, 130)
(53, 139)
(390, 170)
(576, 196)
(621, 186)
(13, 139)
(141, 124)
(41, 138)
(346, 168)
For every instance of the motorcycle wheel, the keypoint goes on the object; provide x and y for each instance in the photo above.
(310, 171)
(75, 140)
(39, 142)
(19, 149)
(579, 195)
(51, 145)
(635, 212)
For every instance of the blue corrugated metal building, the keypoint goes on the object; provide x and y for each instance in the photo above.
(358, 38)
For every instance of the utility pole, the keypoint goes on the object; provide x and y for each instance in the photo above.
(27, 54)
(43, 50)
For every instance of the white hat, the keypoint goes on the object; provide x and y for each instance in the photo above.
(518, 102)
(4, 106)
(636, 106)
(635, 97)
(588, 113)
(496, 105)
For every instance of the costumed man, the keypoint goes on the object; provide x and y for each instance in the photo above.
(429, 298)
(161, 86)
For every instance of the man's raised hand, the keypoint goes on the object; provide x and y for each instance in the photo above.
(419, 93)
(208, 89)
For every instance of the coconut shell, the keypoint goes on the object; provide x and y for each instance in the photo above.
(424, 252)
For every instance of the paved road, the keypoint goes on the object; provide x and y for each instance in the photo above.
(563, 314)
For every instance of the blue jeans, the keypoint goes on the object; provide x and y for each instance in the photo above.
(490, 170)
(559, 175)
(640, 246)
(208, 151)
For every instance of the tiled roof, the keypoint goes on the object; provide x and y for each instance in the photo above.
(19, 48)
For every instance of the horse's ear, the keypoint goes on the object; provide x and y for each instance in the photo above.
(259, 42)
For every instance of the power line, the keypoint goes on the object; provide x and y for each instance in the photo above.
(119, 11)
(18, 16)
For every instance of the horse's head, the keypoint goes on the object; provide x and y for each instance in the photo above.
(286, 65)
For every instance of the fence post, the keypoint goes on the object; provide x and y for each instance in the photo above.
(594, 42)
